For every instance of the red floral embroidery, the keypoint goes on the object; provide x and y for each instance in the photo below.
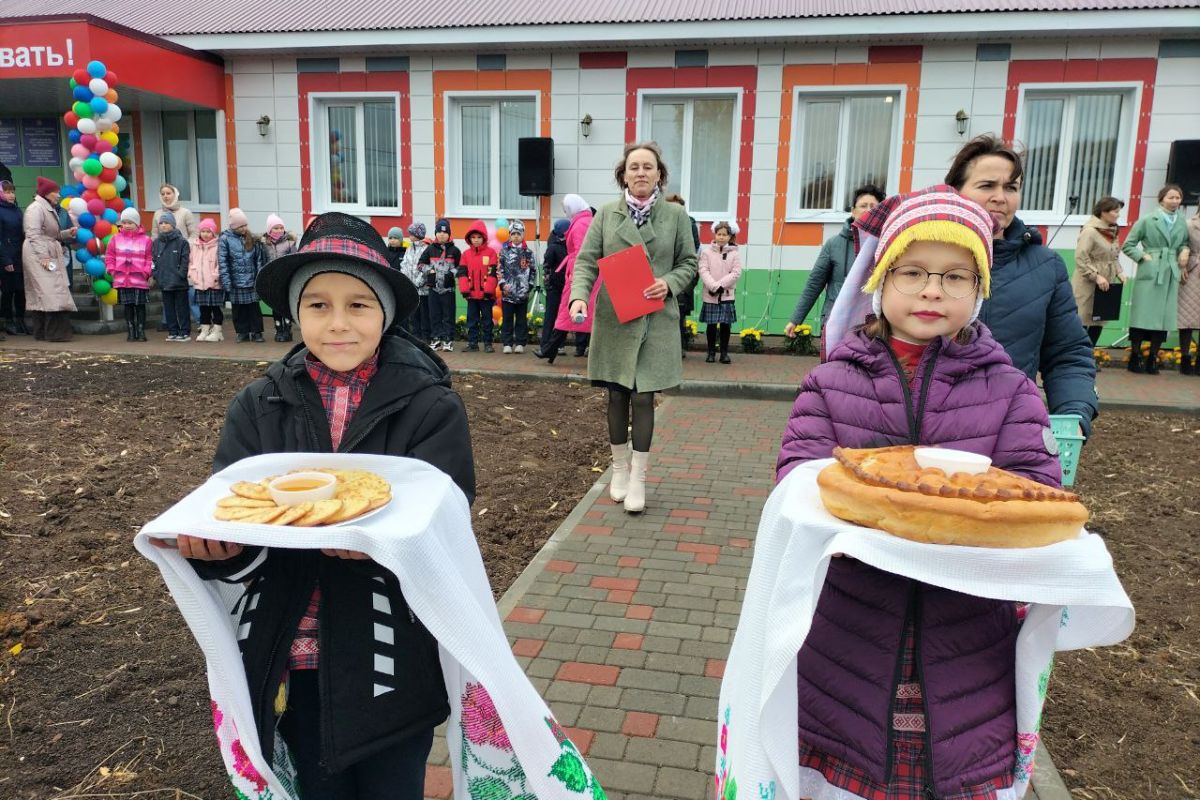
(480, 720)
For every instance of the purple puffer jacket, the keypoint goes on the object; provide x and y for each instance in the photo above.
(967, 396)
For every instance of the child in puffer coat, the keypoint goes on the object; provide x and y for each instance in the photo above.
(516, 276)
(719, 270)
(477, 284)
(205, 277)
(439, 272)
(276, 242)
(129, 259)
(171, 254)
(922, 370)
(410, 265)
(240, 257)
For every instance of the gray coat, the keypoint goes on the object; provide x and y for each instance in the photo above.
(828, 274)
(644, 353)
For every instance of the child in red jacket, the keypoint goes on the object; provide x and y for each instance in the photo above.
(477, 284)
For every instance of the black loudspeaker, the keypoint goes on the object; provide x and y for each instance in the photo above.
(1183, 167)
(535, 166)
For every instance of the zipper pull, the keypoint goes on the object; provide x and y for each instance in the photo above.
(929, 793)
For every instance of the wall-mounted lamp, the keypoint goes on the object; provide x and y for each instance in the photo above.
(960, 121)
(585, 125)
(264, 124)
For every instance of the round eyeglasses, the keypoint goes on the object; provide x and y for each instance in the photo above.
(957, 283)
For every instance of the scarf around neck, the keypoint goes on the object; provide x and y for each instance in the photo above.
(639, 210)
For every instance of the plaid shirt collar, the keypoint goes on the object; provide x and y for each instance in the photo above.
(356, 379)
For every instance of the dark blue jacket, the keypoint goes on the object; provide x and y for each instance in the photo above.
(1031, 312)
(12, 234)
(238, 266)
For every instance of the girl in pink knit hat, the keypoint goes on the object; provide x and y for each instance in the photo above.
(204, 276)
(278, 241)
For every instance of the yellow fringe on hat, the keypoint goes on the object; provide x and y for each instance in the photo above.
(933, 230)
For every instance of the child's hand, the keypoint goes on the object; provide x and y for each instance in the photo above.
(206, 549)
(351, 555)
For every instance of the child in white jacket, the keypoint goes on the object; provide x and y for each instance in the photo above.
(720, 268)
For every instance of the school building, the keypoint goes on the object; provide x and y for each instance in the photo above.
(769, 112)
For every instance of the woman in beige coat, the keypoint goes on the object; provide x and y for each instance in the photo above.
(633, 360)
(1096, 266)
(47, 293)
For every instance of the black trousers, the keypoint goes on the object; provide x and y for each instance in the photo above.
(553, 298)
(514, 322)
(179, 315)
(247, 318)
(212, 315)
(396, 773)
(12, 304)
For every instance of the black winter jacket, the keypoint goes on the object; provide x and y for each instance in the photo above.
(12, 235)
(408, 410)
(556, 251)
(170, 254)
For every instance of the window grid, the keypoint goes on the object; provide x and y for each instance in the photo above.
(700, 157)
(360, 153)
(830, 165)
(483, 152)
(1073, 142)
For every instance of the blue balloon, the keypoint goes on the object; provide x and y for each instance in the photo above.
(99, 105)
(97, 69)
(83, 236)
(110, 215)
(69, 191)
(120, 183)
(74, 136)
(82, 93)
(94, 267)
(87, 219)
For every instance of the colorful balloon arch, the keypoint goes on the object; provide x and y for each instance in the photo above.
(96, 159)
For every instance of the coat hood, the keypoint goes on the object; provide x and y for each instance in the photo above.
(1017, 237)
(479, 227)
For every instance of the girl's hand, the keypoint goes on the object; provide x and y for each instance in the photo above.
(789, 330)
(656, 291)
(579, 307)
(350, 555)
(1102, 283)
(1184, 256)
(206, 549)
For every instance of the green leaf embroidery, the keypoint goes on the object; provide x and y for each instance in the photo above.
(569, 769)
(488, 789)
(730, 789)
(597, 791)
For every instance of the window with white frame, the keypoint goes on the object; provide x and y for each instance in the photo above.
(484, 131)
(190, 156)
(1076, 147)
(842, 141)
(357, 152)
(696, 134)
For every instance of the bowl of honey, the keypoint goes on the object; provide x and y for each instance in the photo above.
(302, 487)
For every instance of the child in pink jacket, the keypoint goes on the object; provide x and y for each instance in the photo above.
(128, 259)
(720, 268)
(204, 275)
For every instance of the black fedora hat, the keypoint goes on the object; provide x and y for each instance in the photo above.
(336, 237)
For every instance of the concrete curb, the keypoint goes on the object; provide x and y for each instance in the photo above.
(1047, 783)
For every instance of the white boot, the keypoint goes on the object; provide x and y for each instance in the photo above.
(635, 498)
(215, 335)
(619, 485)
(205, 330)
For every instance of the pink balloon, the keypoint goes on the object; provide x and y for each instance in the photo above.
(96, 207)
(79, 151)
(88, 140)
(103, 146)
(79, 175)
(91, 181)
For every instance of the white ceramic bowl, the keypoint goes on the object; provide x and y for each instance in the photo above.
(324, 489)
(951, 461)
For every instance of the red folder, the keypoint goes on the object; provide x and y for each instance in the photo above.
(626, 275)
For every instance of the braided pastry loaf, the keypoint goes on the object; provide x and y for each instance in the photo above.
(884, 488)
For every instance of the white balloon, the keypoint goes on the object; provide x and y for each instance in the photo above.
(103, 124)
(110, 160)
(98, 87)
(78, 206)
(87, 125)
(75, 164)
(113, 114)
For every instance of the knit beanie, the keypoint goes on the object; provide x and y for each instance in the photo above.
(516, 226)
(237, 218)
(167, 217)
(933, 217)
(272, 221)
(394, 232)
(207, 225)
(441, 225)
(131, 215)
(573, 204)
(46, 186)
(417, 230)
(371, 277)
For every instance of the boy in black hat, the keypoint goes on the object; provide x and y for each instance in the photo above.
(439, 265)
(347, 388)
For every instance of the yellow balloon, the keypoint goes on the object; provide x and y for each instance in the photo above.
(110, 298)
(65, 202)
(110, 136)
(107, 191)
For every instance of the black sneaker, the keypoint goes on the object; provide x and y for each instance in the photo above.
(471, 348)
(243, 337)
(257, 337)
(711, 358)
(725, 358)
(488, 348)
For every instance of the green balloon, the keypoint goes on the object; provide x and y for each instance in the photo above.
(92, 166)
(101, 287)
(82, 110)
(107, 277)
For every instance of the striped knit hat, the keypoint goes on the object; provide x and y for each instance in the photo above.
(935, 217)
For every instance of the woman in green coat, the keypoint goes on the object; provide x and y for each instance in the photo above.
(1158, 244)
(640, 357)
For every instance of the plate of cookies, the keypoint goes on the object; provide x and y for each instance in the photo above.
(306, 498)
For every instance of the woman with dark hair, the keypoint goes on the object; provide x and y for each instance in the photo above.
(1096, 265)
(1158, 244)
(1031, 310)
(635, 359)
(833, 262)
